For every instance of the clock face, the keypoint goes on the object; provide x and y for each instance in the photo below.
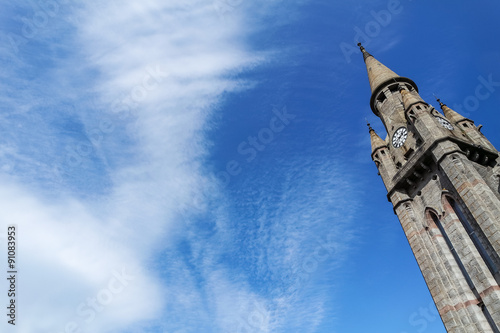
(399, 137)
(445, 123)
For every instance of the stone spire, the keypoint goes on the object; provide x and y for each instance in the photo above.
(377, 72)
(453, 116)
(376, 140)
(381, 77)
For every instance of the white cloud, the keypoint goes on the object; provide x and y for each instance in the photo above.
(104, 177)
(62, 262)
(73, 242)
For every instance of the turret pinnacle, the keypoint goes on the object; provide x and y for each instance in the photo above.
(453, 116)
(376, 141)
(409, 99)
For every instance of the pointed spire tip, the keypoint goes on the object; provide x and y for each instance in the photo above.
(441, 104)
(368, 124)
(365, 53)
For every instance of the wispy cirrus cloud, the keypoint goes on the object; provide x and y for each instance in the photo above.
(104, 140)
(122, 228)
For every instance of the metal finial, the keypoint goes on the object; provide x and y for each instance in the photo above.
(365, 53)
(441, 104)
(368, 124)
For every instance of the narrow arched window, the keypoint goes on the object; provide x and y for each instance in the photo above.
(465, 274)
(490, 263)
(448, 242)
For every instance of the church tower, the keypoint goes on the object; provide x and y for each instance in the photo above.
(442, 177)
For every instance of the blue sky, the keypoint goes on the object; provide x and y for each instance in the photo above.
(204, 165)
